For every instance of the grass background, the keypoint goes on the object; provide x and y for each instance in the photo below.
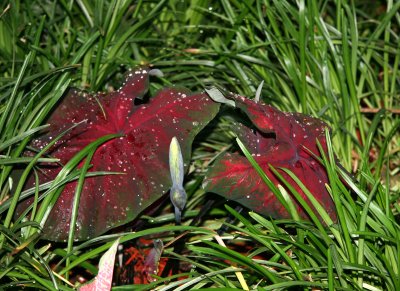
(337, 60)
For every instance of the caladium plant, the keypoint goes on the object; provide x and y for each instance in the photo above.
(140, 154)
(280, 139)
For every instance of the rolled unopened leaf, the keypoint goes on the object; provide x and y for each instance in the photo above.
(178, 199)
(176, 163)
(153, 259)
(177, 193)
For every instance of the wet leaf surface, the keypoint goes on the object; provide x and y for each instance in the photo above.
(282, 140)
(140, 155)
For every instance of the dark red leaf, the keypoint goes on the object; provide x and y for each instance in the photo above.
(141, 154)
(282, 140)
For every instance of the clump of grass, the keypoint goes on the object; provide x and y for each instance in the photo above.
(336, 60)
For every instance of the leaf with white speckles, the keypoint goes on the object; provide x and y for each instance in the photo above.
(282, 140)
(141, 155)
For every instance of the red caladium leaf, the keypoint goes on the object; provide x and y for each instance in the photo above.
(282, 140)
(141, 154)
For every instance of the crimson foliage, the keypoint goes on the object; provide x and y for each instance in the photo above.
(283, 140)
(140, 155)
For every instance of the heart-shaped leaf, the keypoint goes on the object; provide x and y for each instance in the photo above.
(283, 140)
(140, 155)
